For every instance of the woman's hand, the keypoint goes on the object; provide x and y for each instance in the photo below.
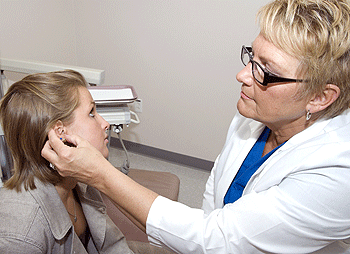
(86, 164)
(82, 162)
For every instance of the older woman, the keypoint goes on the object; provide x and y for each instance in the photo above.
(281, 183)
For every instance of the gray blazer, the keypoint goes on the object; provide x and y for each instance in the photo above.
(36, 221)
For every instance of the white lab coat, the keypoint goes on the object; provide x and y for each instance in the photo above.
(298, 201)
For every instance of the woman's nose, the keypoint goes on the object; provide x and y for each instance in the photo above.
(104, 124)
(107, 125)
(245, 75)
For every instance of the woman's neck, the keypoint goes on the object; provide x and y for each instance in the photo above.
(73, 207)
(65, 189)
(279, 135)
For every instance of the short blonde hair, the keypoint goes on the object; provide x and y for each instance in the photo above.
(28, 111)
(317, 32)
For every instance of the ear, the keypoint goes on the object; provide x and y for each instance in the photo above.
(59, 129)
(323, 100)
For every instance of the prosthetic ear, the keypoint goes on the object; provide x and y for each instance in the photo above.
(59, 129)
(322, 101)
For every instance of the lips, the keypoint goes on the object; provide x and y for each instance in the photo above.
(244, 96)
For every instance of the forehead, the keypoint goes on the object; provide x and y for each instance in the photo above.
(268, 53)
(266, 49)
(84, 94)
(85, 98)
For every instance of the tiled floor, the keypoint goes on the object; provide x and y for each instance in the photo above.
(192, 181)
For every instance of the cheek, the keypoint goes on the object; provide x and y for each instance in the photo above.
(265, 99)
(271, 102)
(82, 130)
(275, 95)
(95, 135)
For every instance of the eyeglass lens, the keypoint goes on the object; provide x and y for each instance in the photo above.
(257, 71)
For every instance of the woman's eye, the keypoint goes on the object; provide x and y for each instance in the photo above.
(92, 112)
(269, 70)
(272, 72)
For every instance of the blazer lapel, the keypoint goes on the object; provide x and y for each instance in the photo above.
(95, 212)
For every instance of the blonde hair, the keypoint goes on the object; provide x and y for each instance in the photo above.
(317, 32)
(28, 111)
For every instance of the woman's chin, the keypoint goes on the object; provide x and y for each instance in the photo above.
(242, 109)
(105, 153)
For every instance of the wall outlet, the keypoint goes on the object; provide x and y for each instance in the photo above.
(137, 106)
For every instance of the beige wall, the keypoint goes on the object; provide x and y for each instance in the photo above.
(180, 55)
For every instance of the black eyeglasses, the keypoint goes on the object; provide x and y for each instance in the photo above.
(262, 76)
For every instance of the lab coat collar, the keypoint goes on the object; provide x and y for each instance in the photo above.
(312, 133)
(320, 127)
(235, 151)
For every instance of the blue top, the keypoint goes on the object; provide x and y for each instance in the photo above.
(251, 163)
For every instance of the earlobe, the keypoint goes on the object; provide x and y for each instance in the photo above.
(59, 129)
(321, 101)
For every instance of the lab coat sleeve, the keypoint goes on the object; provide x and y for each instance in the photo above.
(293, 217)
(208, 196)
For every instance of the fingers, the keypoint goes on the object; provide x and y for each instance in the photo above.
(55, 151)
(55, 143)
(47, 152)
(79, 162)
(50, 155)
(73, 139)
(58, 146)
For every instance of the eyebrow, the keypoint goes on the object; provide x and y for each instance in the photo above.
(262, 58)
(276, 68)
(93, 104)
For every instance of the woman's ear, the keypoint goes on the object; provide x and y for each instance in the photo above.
(321, 101)
(59, 129)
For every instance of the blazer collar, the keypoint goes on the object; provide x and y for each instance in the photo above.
(56, 214)
(53, 209)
